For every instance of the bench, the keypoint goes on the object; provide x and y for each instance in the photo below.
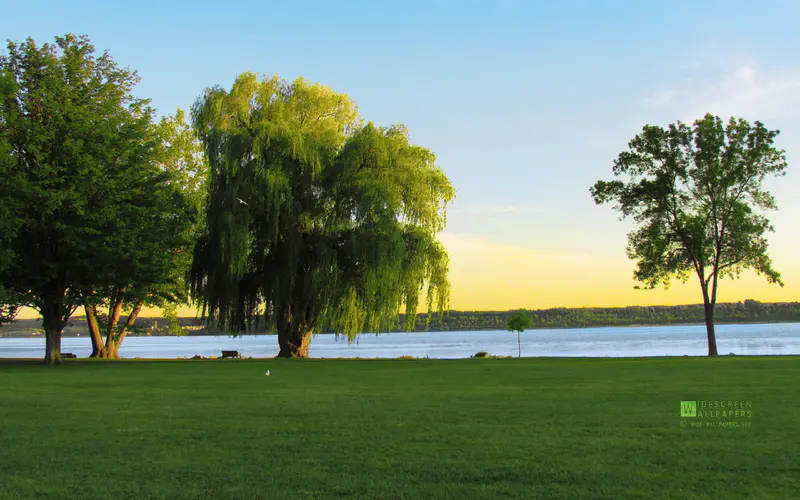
(231, 354)
(68, 355)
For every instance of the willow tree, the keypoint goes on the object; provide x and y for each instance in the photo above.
(696, 195)
(314, 220)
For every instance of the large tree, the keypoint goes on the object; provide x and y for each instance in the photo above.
(696, 195)
(155, 258)
(9, 224)
(313, 219)
(81, 153)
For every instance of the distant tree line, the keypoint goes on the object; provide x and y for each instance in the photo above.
(749, 311)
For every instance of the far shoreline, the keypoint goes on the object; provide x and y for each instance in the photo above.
(84, 334)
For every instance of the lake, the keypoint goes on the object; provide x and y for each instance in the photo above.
(679, 340)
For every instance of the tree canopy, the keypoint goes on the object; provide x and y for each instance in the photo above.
(696, 195)
(519, 321)
(157, 248)
(313, 218)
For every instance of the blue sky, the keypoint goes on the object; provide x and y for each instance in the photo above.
(525, 103)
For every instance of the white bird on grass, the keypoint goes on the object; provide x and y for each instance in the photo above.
(267, 374)
(243, 202)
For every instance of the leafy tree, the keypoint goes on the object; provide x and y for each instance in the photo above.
(518, 322)
(9, 224)
(7, 311)
(158, 280)
(313, 219)
(81, 149)
(696, 196)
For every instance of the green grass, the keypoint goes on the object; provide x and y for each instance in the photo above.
(529, 428)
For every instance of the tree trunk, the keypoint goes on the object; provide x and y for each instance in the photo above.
(114, 313)
(94, 331)
(519, 345)
(54, 316)
(293, 343)
(111, 350)
(708, 307)
(52, 355)
(113, 340)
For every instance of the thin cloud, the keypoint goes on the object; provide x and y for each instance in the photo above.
(503, 210)
(496, 210)
(662, 98)
(751, 95)
(743, 91)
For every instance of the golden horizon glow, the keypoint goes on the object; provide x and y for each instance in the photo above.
(490, 276)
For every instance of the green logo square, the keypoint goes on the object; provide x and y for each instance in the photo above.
(688, 408)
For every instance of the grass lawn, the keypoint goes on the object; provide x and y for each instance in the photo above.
(519, 428)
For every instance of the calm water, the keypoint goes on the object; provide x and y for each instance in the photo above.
(783, 338)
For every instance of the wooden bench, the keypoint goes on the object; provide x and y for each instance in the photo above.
(68, 355)
(231, 354)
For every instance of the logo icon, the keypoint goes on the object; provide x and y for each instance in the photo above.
(688, 408)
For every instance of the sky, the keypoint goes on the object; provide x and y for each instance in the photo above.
(526, 104)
